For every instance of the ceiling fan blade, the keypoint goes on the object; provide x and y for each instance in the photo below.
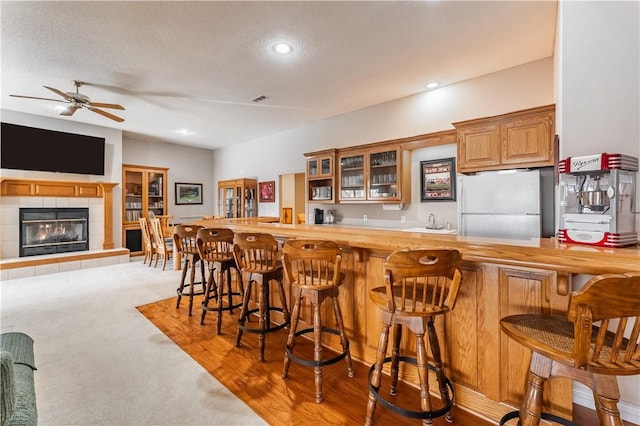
(59, 92)
(68, 111)
(106, 114)
(101, 105)
(35, 97)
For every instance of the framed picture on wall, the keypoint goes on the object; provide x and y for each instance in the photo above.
(267, 192)
(438, 180)
(188, 193)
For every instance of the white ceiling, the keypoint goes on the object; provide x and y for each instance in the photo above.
(197, 65)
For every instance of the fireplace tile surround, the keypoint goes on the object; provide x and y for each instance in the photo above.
(96, 197)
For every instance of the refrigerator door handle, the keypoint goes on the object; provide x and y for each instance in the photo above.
(461, 207)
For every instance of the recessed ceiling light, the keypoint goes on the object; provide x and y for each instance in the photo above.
(432, 85)
(282, 48)
(184, 132)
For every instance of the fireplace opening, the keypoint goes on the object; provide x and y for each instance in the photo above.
(53, 230)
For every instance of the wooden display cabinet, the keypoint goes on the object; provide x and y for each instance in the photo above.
(516, 140)
(144, 191)
(238, 198)
(380, 174)
(320, 176)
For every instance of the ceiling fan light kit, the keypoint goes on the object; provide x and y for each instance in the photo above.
(77, 101)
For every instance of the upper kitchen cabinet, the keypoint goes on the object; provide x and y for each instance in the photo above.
(378, 174)
(320, 176)
(516, 140)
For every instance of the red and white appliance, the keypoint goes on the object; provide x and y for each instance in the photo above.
(597, 200)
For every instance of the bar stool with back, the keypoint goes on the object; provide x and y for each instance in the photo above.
(257, 257)
(588, 345)
(215, 247)
(312, 267)
(185, 239)
(420, 285)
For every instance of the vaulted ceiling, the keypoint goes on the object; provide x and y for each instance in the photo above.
(196, 66)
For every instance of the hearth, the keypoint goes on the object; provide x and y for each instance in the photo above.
(53, 230)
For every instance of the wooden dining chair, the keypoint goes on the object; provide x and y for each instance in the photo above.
(148, 245)
(598, 340)
(163, 246)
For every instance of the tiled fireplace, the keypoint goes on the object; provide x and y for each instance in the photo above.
(96, 198)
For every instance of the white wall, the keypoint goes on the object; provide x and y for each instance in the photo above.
(113, 161)
(186, 165)
(517, 88)
(598, 107)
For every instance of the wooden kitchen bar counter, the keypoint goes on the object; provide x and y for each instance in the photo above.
(500, 278)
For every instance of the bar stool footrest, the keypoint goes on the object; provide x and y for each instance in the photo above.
(224, 308)
(269, 329)
(544, 416)
(312, 363)
(411, 413)
(184, 291)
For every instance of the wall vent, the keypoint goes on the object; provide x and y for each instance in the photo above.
(259, 98)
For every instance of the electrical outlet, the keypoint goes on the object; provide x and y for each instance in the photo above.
(403, 219)
(364, 218)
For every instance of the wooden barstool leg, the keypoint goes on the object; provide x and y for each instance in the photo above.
(283, 299)
(263, 315)
(395, 358)
(531, 408)
(439, 369)
(219, 293)
(343, 335)
(192, 279)
(376, 377)
(606, 396)
(207, 293)
(317, 346)
(295, 317)
(244, 310)
(423, 375)
(182, 280)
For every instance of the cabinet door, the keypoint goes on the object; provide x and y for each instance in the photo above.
(528, 141)
(155, 201)
(478, 147)
(352, 178)
(383, 175)
(133, 195)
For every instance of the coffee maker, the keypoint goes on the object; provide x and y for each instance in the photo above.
(597, 200)
(318, 216)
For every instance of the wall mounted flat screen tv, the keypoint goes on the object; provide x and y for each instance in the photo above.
(29, 148)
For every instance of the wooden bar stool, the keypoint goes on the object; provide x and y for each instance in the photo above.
(312, 267)
(215, 247)
(588, 345)
(257, 256)
(184, 237)
(419, 286)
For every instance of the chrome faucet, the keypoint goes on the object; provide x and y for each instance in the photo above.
(431, 221)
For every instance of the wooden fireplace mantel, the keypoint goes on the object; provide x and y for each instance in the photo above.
(20, 187)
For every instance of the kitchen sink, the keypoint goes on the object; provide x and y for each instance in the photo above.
(431, 231)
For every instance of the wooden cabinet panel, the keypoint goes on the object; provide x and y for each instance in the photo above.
(514, 140)
(237, 198)
(479, 147)
(528, 140)
(528, 291)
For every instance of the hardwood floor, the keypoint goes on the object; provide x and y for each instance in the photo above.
(290, 402)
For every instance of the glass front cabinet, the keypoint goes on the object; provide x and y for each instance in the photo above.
(144, 191)
(320, 176)
(237, 198)
(375, 175)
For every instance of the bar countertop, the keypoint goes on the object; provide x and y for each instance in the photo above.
(544, 253)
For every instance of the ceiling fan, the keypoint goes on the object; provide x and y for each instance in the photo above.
(77, 100)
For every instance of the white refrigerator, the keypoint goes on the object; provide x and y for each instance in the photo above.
(512, 204)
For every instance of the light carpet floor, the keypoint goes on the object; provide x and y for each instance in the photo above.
(101, 362)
